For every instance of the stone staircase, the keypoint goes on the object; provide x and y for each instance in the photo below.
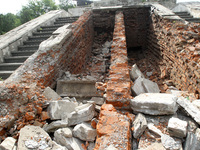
(30, 46)
(187, 17)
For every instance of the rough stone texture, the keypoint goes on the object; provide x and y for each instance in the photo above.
(84, 132)
(113, 128)
(55, 125)
(119, 85)
(56, 146)
(33, 137)
(191, 142)
(177, 127)
(154, 104)
(142, 85)
(193, 111)
(196, 103)
(57, 109)
(98, 100)
(135, 73)
(139, 125)
(77, 88)
(8, 144)
(66, 132)
(70, 143)
(82, 113)
(155, 130)
(170, 143)
(51, 94)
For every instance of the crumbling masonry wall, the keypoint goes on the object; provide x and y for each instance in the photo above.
(175, 46)
(25, 86)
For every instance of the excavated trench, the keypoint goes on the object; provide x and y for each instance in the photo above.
(119, 39)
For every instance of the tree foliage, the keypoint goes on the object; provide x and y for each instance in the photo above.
(35, 8)
(32, 10)
(8, 22)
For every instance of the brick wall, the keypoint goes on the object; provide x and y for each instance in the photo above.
(176, 46)
(42, 69)
(119, 85)
(136, 24)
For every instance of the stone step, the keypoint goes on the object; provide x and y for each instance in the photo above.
(52, 26)
(23, 53)
(9, 66)
(66, 18)
(193, 19)
(47, 29)
(31, 42)
(28, 47)
(42, 33)
(15, 59)
(64, 21)
(5, 74)
(39, 37)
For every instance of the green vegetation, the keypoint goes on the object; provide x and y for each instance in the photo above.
(32, 10)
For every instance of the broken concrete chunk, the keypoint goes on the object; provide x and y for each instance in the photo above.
(82, 113)
(33, 137)
(51, 94)
(59, 108)
(111, 147)
(139, 125)
(56, 146)
(154, 103)
(193, 111)
(171, 143)
(142, 85)
(98, 100)
(70, 143)
(135, 73)
(8, 144)
(84, 132)
(196, 103)
(177, 127)
(191, 142)
(66, 132)
(153, 129)
(55, 125)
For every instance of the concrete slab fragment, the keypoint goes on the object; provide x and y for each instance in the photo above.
(76, 88)
(154, 103)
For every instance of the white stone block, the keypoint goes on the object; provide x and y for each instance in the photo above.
(154, 103)
(177, 127)
(8, 144)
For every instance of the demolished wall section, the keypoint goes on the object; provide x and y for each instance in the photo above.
(176, 46)
(23, 90)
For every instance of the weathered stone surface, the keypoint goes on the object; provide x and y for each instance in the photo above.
(111, 147)
(155, 130)
(84, 132)
(66, 132)
(142, 85)
(193, 111)
(33, 137)
(155, 146)
(113, 128)
(51, 94)
(55, 125)
(170, 143)
(56, 146)
(177, 127)
(82, 113)
(197, 133)
(191, 142)
(59, 108)
(91, 146)
(135, 73)
(196, 103)
(98, 100)
(139, 125)
(70, 143)
(154, 103)
(76, 88)
(8, 144)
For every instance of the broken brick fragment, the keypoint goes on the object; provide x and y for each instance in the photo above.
(29, 116)
(113, 128)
